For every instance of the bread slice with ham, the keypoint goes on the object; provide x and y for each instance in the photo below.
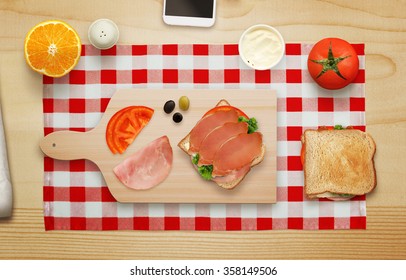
(212, 142)
(206, 125)
(237, 152)
(227, 148)
(338, 163)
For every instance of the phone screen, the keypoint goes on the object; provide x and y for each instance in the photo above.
(189, 8)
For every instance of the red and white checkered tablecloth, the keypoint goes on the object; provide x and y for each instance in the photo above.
(76, 196)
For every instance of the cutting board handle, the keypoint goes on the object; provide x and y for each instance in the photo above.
(58, 145)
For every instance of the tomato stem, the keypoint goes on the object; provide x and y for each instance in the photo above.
(330, 63)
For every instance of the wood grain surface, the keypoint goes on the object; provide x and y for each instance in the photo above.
(381, 25)
(259, 186)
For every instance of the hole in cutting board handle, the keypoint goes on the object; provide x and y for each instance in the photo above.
(67, 145)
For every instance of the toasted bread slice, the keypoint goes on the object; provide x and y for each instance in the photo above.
(184, 146)
(338, 163)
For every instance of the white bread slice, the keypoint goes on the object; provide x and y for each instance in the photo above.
(184, 146)
(338, 163)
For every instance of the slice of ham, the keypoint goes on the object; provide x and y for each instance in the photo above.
(213, 141)
(233, 175)
(147, 167)
(236, 153)
(206, 125)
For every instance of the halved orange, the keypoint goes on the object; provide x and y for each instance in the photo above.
(125, 125)
(52, 48)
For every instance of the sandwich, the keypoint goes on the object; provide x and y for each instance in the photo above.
(338, 163)
(224, 145)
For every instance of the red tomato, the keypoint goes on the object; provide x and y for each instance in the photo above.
(226, 108)
(302, 154)
(333, 63)
(125, 125)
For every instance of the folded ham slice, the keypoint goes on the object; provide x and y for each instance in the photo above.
(147, 167)
(206, 125)
(212, 142)
(236, 153)
(233, 175)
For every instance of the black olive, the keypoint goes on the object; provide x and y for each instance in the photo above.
(169, 106)
(177, 117)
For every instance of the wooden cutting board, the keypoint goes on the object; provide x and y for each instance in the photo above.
(183, 185)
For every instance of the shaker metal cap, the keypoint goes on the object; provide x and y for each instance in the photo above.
(103, 34)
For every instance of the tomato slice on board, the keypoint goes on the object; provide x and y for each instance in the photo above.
(226, 108)
(125, 125)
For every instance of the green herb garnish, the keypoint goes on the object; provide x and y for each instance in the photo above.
(205, 171)
(195, 159)
(342, 194)
(338, 127)
(345, 195)
(252, 124)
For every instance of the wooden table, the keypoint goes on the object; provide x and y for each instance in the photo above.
(381, 25)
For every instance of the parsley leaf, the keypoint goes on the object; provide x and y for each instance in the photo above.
(195, 158)
(205, 171)
(252, 124)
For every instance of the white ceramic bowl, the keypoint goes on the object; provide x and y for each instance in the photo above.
(261, 47)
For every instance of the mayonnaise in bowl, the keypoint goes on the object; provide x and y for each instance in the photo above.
(261, 47)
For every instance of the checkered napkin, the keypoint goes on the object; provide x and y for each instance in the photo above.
(76, 196)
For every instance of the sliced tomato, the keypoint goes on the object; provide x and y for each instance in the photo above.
(125, 125)
(226, 108)
(302, 154)
(110, 130)
(321, 128)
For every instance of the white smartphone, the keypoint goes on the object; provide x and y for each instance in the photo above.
(200, 13)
